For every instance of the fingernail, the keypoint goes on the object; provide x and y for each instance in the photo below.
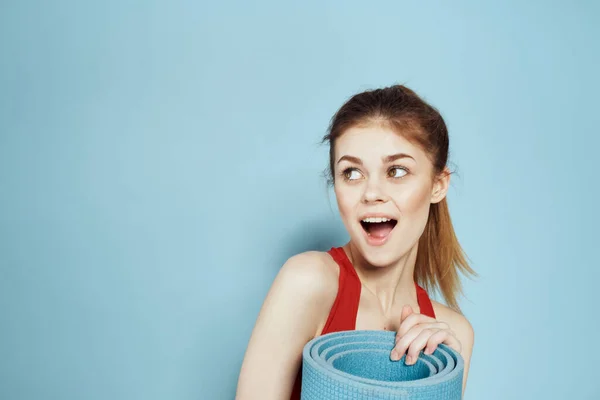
(395, 356)
(409, 360)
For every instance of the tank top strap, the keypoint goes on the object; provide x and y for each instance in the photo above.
(424, 301)
(342, 316)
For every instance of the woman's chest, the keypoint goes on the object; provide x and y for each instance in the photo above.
(372, 316)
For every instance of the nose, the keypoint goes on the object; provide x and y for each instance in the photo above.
(374, 193)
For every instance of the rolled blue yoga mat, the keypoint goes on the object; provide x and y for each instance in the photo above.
(356, 365)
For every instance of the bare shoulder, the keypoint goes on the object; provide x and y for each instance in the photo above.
(447, 314)
(322, 275)
(295, 306)
(314, 273)
(457, 322)
(304, 289)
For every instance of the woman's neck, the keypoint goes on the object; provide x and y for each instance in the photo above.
(392, 284)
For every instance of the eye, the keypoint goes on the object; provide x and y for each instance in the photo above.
(392, 172)
(348, 174)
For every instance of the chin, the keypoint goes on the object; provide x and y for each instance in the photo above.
(377, 256)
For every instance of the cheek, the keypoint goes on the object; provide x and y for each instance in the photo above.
(347, 201)
(414, 202)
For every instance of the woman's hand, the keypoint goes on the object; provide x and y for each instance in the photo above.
(418, 331)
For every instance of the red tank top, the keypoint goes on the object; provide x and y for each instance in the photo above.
(342, 316)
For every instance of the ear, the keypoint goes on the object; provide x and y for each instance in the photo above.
(440, 186)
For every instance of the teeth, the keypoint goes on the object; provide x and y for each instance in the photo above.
(376, 219)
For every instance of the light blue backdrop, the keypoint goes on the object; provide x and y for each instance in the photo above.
(159, 162)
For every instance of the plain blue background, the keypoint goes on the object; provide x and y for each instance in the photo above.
(159, 161)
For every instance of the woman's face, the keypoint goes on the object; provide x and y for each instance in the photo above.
(378, 173)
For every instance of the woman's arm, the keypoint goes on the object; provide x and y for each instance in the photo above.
(466, 335)
(298, 301)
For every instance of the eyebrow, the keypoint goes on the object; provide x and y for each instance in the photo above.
(387, 159)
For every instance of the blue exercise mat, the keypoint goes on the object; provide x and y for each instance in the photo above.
(356, 365)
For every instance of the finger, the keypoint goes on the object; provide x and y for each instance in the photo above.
(404, 342)
(434, 341)
(419, 343)
(413, 320)
(452, 341)
(406, 311)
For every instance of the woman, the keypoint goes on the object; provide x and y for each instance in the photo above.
(387, 164)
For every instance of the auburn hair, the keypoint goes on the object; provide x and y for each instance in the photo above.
(440, 257)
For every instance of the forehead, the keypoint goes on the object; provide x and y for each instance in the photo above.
(371, 143)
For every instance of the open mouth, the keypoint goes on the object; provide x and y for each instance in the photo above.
(379, 230)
